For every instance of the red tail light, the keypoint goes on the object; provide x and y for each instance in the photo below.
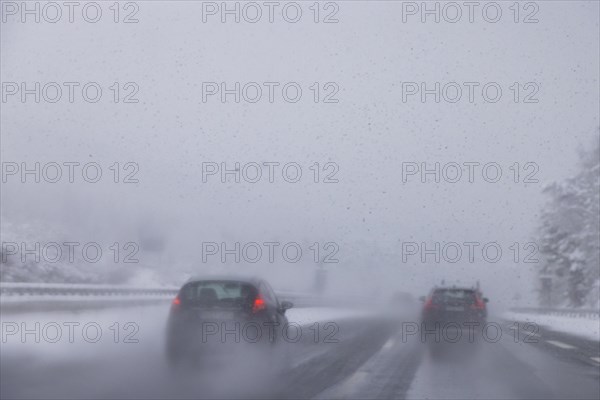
(429, 304)
(479, 304)
(259, 304)
(176, 302)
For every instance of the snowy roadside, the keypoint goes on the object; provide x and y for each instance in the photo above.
(588, 328)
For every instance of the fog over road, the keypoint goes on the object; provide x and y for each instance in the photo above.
(378, 163)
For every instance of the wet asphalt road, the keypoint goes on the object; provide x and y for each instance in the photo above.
(370, 357)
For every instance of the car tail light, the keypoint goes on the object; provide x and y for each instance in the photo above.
(259, 304)
(478, 305)
(429, 304)
(176, 302)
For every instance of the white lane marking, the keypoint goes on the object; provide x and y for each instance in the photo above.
(597, 359)
(389, 344)
(560, 344)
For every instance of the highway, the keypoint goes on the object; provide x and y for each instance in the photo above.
(372, 356)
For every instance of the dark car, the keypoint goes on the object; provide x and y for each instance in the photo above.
(446, 305)
(220, 316)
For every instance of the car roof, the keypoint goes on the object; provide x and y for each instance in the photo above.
(471, 289)
(226, 277)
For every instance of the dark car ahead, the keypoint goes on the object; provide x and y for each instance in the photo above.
(446, 305)
(222, 316)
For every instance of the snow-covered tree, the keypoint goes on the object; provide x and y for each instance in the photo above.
(570, 235)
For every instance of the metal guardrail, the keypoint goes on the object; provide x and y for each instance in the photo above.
(59, 289)
(55, 292)
(561, 312)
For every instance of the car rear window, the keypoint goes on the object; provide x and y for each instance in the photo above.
(451, 295)
(218, 293)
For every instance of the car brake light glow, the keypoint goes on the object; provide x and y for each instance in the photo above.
(176, 301)
(259, 304)
(429, 304)
(479, 304)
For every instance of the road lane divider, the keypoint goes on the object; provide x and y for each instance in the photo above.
(560, 344)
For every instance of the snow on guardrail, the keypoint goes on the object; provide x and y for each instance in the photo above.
(560, 312)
